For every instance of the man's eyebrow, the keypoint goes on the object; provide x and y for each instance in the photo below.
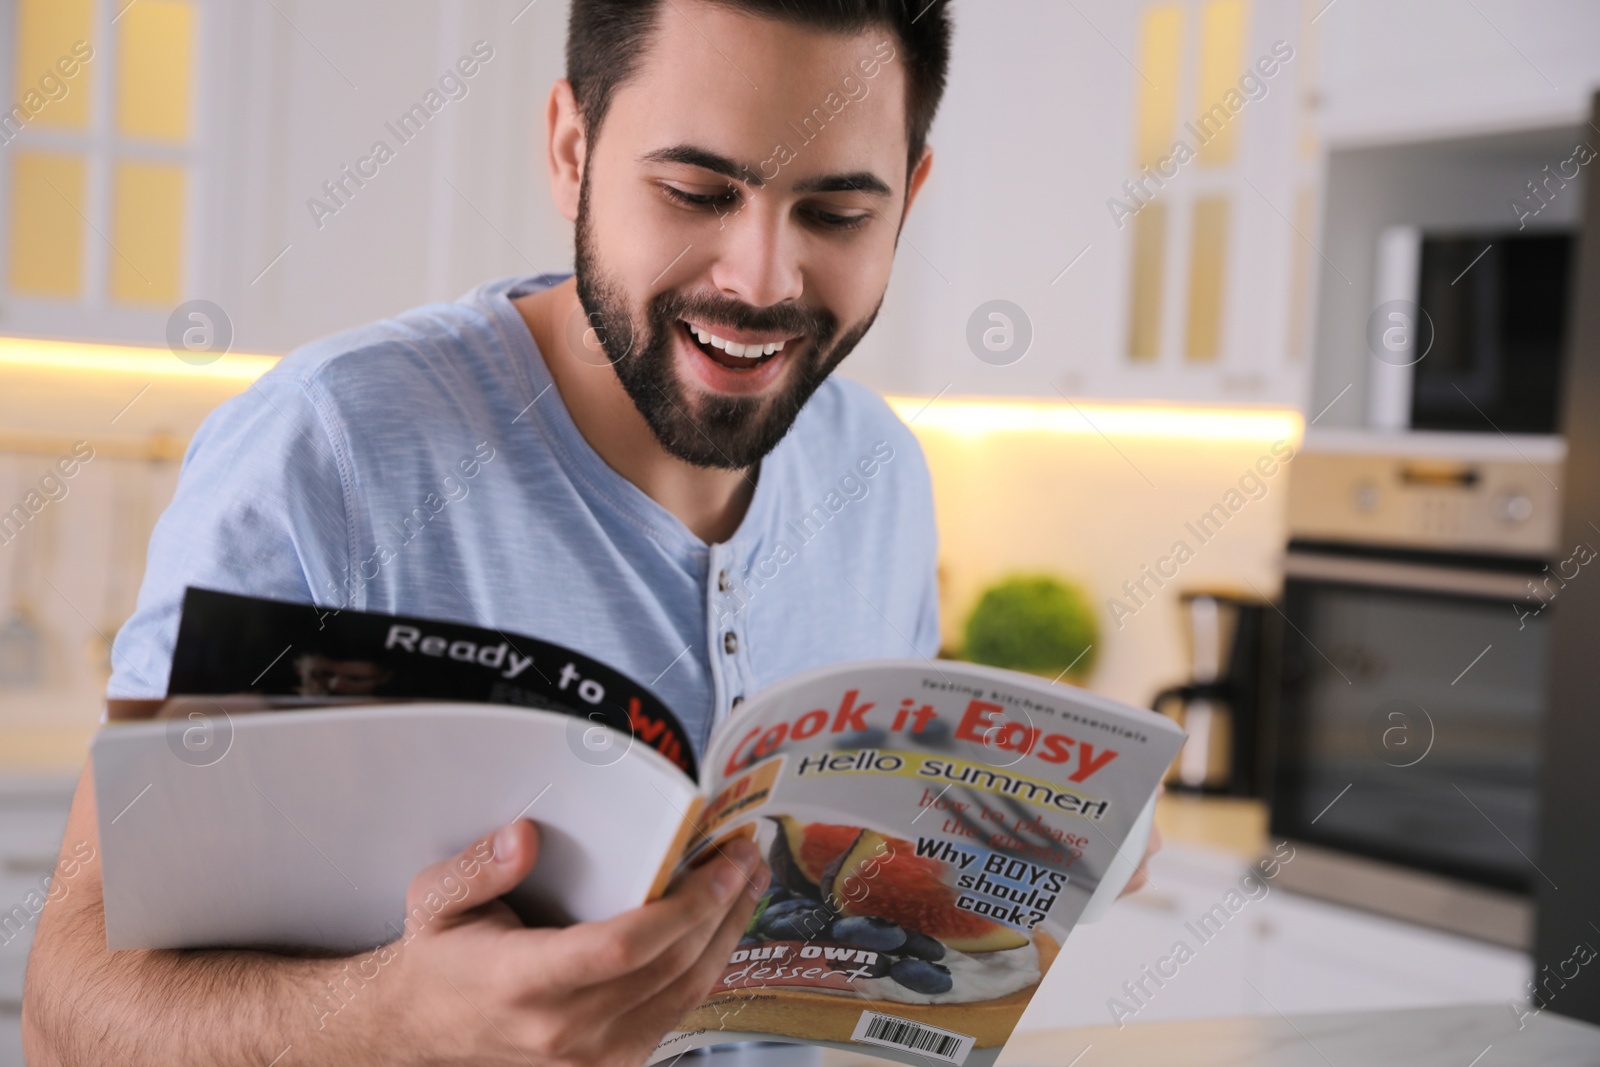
(861, 181)
(706, 160)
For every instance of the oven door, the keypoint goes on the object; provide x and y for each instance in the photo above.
(1409, 713)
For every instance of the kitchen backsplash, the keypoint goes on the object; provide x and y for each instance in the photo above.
(1135, 505)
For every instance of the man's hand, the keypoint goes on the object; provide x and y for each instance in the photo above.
(473, 985)
(466, 983)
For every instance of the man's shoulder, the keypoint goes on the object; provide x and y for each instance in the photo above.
(846, 414)
(413, 356)
(846, 426)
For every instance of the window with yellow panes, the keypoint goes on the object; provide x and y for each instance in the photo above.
(95, 150)
(1189, 56)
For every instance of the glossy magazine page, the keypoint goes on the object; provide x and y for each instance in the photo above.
(934, 830)
(302, 830)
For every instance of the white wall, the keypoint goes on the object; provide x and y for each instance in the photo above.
(1096, 514)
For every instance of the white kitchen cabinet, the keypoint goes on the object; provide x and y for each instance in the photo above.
(1430, 69)
(306, 95)
(284, 98)
(1281, 953)
(1036, 137)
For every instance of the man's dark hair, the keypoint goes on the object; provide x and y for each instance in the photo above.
(606, 38)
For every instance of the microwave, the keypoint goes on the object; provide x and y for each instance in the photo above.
(1469, 329)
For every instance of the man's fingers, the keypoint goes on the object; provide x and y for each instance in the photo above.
(593, 953)
(715, 936)
(672, 1002)
(479, 873)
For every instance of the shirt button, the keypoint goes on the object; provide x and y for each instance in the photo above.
(722, 582)
(737, 701)
(730, 642)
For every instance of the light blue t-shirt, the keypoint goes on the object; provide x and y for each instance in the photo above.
(425, 465)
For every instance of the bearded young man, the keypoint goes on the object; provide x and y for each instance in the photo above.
(662, 474)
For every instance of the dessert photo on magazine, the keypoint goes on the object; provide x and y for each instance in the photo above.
(934, 829)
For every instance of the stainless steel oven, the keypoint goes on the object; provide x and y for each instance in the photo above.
(1421, 574)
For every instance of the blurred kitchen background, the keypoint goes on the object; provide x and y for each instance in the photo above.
(1334, 348)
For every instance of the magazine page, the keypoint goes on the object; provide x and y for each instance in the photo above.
(303, 830)
(309, 762)
(934, 830)
(287, 654)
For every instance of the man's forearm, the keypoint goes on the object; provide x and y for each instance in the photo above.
(85, 1006)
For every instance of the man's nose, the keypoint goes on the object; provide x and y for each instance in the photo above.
(758, 258)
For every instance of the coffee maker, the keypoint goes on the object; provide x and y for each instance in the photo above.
(1233, 643)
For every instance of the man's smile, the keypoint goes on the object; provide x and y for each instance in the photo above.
(736, 361)
(736, 348)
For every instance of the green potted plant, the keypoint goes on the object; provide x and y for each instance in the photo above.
(1036, 623)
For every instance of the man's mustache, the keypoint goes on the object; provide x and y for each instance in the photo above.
(796, 319)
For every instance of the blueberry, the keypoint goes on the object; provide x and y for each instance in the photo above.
(877, 968)
(921, 946)
(869, 931)
(777, 893)
(920, 976)
(794, 920)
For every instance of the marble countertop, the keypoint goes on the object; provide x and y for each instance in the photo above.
(1477, 1035)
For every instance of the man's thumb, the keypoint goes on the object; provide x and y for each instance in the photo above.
(484, 870)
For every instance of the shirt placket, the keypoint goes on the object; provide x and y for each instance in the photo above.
(727, 620)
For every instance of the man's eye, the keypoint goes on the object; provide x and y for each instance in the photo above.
(725, 199)
(834, 221)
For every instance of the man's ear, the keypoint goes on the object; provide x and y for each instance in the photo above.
(919, 174)
(567, 148)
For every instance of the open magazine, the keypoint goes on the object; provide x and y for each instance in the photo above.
(934, 829)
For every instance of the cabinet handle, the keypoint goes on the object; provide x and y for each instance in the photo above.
(1440, 476)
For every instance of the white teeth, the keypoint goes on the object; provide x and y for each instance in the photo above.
(734, 348)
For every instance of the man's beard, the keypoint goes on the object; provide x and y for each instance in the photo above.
(727, 432)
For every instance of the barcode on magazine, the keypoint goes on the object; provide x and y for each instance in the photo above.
(918, 1037)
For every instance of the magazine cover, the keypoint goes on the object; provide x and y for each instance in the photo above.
(934, 831)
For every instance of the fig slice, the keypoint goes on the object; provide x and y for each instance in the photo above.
(883, 876)
(801, 853)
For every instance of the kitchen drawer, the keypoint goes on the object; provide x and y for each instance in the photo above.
(27, 836)
(13, 965)
(33, 813)
(10, 1035)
